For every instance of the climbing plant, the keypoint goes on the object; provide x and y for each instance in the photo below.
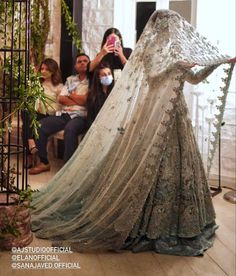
(71, 26)
(40, 26)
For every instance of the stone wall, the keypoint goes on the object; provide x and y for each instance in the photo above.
(52, 49)
(97, 18)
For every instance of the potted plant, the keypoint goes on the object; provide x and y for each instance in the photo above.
(15, 229)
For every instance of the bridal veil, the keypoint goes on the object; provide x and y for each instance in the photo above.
(134, 174)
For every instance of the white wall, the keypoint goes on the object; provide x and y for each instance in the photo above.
(125, 17)
(216, 21)
(162, 4)
(97, 18)
(124, 20)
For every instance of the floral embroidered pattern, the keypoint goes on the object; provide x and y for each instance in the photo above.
(137, 180)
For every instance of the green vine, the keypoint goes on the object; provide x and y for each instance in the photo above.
(6, 23)
(29, 94)
(1, 8)
(40, 26)
(70, 25)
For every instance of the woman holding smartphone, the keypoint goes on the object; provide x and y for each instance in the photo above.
(112, 51)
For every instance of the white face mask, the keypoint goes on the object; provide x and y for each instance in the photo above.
(106, 80)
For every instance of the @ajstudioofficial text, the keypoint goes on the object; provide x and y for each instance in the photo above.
(40, 250)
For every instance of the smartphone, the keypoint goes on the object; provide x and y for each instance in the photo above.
(111, 41)
(117, 44)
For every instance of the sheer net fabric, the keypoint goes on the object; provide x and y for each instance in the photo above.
(137, 180)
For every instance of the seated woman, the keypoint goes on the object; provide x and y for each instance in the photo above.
(137, 180)
(101, 87)
(52, 84)
(112, 52)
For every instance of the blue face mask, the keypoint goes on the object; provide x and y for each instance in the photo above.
(106, 80)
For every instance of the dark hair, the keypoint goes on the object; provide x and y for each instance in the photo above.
(112, 31)
(96, 95)
(80, 55)
(53, 67)
(96, 86)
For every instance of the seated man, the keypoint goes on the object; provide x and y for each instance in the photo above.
(72, 119)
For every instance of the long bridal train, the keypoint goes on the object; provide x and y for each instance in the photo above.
(137, 180)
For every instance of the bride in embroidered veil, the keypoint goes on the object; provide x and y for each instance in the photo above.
(137, 180)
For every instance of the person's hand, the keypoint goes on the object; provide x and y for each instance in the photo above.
(106, 49)
(118, 51)
(232, 60)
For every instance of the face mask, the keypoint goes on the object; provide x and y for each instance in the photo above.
(46, 74)
(106, 80)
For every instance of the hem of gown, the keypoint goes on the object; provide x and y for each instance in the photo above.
(174, 245)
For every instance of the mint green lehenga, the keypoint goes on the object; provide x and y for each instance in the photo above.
(137, 180)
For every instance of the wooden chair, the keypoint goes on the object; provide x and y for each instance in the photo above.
(60, 136)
